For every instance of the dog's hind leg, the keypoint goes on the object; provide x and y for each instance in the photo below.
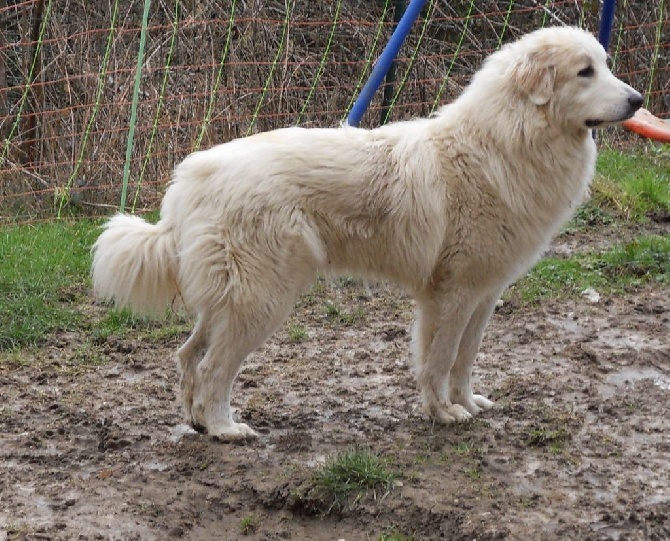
(188, 357)
(238, 329)
(260, 277)
(461, 373)
(214, 378)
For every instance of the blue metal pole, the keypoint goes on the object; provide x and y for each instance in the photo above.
(606, 21)
(605, 30)
(384, 62)
(387, 96)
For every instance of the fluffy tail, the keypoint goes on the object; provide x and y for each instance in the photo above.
(135, 264)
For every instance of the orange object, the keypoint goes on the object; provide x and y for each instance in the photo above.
(649, 126)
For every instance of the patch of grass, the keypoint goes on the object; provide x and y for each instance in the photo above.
(44, 272)
(6, 412)
(86, 356)
(120, 323)
(542, 437)
(464, 448)
(333, 310)
(160, 331)
(633, 185)
(552, 428)
(296, 334)
(44, 283)
(627, 186)
(319, 287)
(14, 529)
(421, 458)
(249, 524)
(395, 535)
(336, 314)
(468, 456)
(306, 300)
(467, 451)
(13, 358)
(348, 282)
(473, 473)
(556, 277)
(349, 318)
(346, 477)
(557, 447)
(643, 260)
(145, 506)
(589, 215)
(115, 323)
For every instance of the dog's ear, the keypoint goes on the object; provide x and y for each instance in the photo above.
(535, 78)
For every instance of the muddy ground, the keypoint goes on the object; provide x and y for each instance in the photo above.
(578, 446)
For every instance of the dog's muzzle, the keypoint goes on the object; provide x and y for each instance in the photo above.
(635, 101)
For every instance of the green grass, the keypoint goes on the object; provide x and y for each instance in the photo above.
(632, 186)
(644, 259)
(627, 187)
(346, 477)
(120, 323)
(249, 524)
(395, 535)
(474, 473)
(335, 313)
(333, 310)
(43, 278)
(296, 334)
(555, 439)
(620, 268)
(45, 288)
(115, 323)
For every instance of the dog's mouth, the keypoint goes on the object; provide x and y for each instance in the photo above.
(632, 109)
(594, 123)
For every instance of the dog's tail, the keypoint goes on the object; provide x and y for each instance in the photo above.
(135, 264)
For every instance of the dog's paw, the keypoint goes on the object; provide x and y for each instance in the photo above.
(458, 412)
(234, 432)
(449, 413)
(482, 402)
(474, 403)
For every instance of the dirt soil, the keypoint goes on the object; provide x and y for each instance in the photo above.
(577, 447)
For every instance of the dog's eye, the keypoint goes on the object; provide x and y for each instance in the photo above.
(586, 72)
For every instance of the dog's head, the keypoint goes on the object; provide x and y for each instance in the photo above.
(564, 71)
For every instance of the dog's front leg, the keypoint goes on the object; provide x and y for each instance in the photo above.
(461, 373)
(441, 328)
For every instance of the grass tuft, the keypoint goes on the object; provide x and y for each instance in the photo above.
(335, 313)
(249, 524)
(346, 477)
(296, 334)
(541, 437)
(646, 258)
(395, 535)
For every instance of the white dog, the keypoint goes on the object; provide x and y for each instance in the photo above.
(453, 207)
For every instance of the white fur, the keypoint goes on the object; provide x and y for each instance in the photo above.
(454, 208)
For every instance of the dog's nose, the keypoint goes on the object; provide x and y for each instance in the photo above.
(635, 101)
